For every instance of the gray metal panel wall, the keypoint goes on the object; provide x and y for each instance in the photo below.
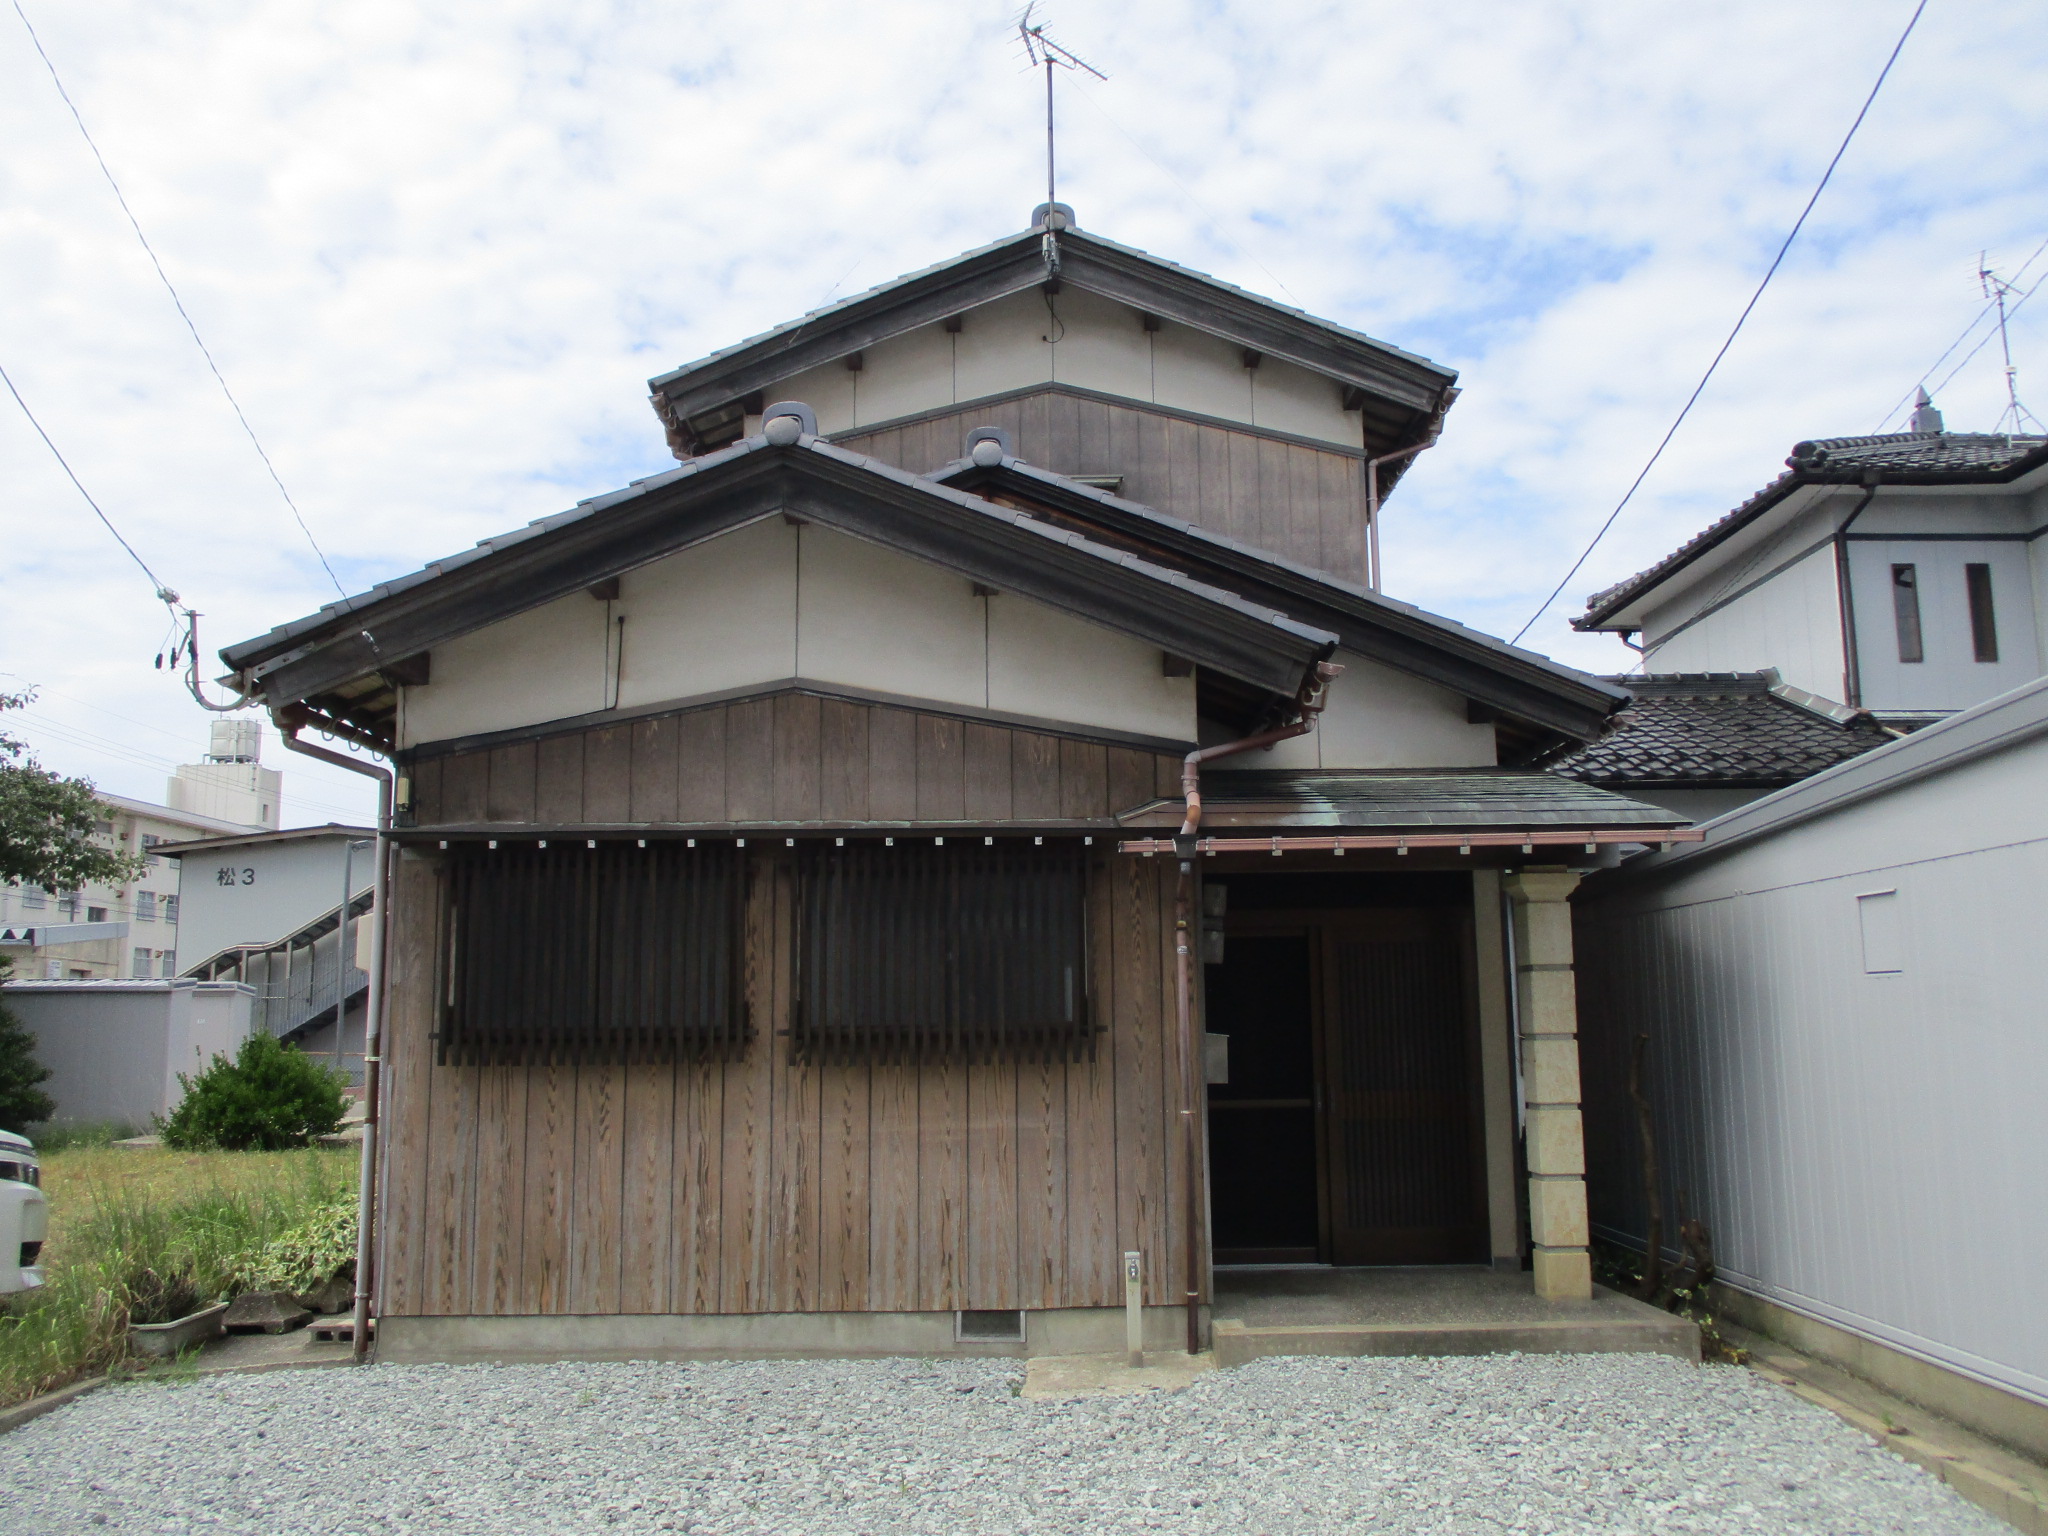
(1866, 1148)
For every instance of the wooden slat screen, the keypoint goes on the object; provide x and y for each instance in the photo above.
(610, 954)
(962, 951)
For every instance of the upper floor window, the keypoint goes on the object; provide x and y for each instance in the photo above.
(68, 903)
(149, 841)
(95, 914)
(1906, 611)
(145, 906)
(34, 896)
(170, 909)
(1983, 617)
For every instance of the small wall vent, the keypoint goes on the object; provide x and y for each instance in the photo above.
(988, 1327)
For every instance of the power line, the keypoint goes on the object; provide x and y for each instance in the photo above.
(1975, 320)
(1986, 341)
(150, 251)
(162, 591)
(1700, 388)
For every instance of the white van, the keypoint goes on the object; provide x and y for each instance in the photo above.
(24, 1215)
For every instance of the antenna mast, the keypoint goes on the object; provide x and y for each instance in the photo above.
(1043, 51)
(1995, 289)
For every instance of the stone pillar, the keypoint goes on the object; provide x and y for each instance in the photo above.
(1554, 1133)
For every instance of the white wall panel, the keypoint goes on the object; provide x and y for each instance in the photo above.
(546, 664)
(1379, 718)
(721, 615)
(1291, 399)
(1052, 666)
(1792, 622)
(1865, 1148)
(869, 617)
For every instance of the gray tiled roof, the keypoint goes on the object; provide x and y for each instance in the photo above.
(1730, 729)
(1453, 799)
(1903, 458)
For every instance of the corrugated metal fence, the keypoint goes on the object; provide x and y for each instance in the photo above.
(1849, 1064)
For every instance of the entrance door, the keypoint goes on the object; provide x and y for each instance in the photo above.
(1348, 1130)
(1264, 1183)
(1406, 1182)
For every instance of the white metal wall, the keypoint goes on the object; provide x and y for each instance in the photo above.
(1867, 1145)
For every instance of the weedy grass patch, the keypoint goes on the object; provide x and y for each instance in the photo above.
(126, 1224)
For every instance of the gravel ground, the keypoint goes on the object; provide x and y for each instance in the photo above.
(1608, 1443)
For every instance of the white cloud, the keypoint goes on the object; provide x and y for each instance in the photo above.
(438, 250)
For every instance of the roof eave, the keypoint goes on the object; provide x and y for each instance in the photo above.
(1518, 683)
(1261, 647)
(1016, 264)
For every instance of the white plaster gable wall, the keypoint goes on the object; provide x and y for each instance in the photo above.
(773, 601)
(1376, 717)
(868, 617)
(720, 615)
(1083, 340)
(1051, 665)
(1792, 622)
(545, 664)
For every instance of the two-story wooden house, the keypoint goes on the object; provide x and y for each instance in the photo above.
(973, 819)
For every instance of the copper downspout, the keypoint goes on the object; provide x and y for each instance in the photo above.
(1308, 704)
(1372, 487)
(373, 1021)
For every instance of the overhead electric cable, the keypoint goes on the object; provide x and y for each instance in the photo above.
(1986, 341)
(164, 593)
(1700, 388)
(150, 250)
(1975, 320)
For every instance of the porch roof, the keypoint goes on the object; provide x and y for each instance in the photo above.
(1453, 799)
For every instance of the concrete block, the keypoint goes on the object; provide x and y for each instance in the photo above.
(1539, 886)
(265, 1311)
(1549, 1002)
(1550, 1070)
(1556, 1139)
(1557, 1212)
(1566, 1274)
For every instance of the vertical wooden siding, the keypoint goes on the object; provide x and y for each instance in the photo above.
(762, 1185)
(788, 758)
(1286, 497)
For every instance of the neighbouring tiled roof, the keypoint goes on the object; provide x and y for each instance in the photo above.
(1904, 458)
(1453, 799)
(1732, 729)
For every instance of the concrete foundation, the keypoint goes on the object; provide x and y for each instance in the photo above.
(1261, 1313)
(764, 1336)
(1987, 1410)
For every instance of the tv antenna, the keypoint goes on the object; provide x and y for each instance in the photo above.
(1043, 51)
(1995, 289)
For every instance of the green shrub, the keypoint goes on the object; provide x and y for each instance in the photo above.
(310, 1254)
(22, 1102)
(270, 1097)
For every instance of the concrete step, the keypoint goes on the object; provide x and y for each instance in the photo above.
(1239, 1343)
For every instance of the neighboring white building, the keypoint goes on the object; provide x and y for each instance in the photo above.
(115, 1049)
(261, 908)
(105, 932)
(1906, 575)
(231, 784)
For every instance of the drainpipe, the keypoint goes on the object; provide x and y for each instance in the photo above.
(373, 1016)
(1308, 706)
(1372, 487)
(1845, 598)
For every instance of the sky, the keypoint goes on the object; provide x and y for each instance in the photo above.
(437, 251)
